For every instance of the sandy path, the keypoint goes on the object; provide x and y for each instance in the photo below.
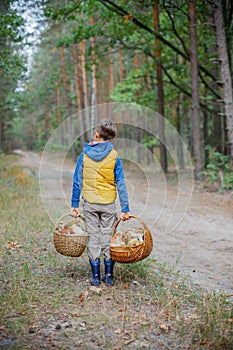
(201, 246)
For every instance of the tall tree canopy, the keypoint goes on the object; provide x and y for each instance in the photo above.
(97, 51)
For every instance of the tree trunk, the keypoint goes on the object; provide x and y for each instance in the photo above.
(159, 73)
(206, 138)
(68, 109)
(121, 63)
(58, 110)
(77, 81)
(78, 91)
(111, 80)
(93, 82)
(225, 72)
(124, 114)
(64, 77)
(100, 85)
(138, 137)
(58, 104)
(136, 66)
(111, 75)
(84, 79)
(136, 61)
(180, 151)
(217, 120)
(195, 110)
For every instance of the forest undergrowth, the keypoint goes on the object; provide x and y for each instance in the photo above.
(46, 301)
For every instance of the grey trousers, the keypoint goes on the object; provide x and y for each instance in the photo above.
(100, 219)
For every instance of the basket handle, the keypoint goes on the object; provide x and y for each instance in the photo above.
(133, 217)
(80, 217)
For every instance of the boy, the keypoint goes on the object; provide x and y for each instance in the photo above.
(98, 173)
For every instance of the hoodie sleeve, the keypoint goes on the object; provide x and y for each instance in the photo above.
(77, 182)
(121, 187)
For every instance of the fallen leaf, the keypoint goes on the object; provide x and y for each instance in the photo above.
(117, 331)
(13, 245)
(95, 289)
(125, 286)
(117, 347)
(132, 338)
(129, 341)
(81, 297)
(203, 342)
(165, 328)
(122, 309)
(3, 332)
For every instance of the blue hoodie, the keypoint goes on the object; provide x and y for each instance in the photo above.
(97, 151)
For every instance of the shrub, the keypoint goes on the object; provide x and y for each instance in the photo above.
(219, 171)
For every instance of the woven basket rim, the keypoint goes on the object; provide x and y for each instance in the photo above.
(131, 217)
(56, 231)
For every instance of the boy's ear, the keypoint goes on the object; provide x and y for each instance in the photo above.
(96, 135)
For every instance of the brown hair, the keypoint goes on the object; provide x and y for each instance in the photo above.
(107, 129)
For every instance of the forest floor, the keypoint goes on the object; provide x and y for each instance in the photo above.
(180, 298)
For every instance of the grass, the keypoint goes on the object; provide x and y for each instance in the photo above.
(46, 301)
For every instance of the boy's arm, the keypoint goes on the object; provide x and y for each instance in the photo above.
(77, 186)
(121, 189)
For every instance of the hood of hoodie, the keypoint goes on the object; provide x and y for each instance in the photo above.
(97, 151)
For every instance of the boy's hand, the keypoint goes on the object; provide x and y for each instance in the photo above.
(75, 212)
(125, 216)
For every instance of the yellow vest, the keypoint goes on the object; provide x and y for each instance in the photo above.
(98, 179)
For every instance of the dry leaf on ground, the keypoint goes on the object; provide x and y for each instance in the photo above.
(13, 245)
(117, 331)
(95, 289)
(164, 327)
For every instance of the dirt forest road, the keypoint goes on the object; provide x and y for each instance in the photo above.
(201, 246)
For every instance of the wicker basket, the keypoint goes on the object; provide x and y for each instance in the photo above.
(128, 254)
(72, 245)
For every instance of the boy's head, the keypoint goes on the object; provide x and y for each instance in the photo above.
(106, 130)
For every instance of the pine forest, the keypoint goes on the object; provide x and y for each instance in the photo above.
(173, 57)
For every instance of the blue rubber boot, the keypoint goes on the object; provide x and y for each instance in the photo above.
(95, 268)
(108, 277)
